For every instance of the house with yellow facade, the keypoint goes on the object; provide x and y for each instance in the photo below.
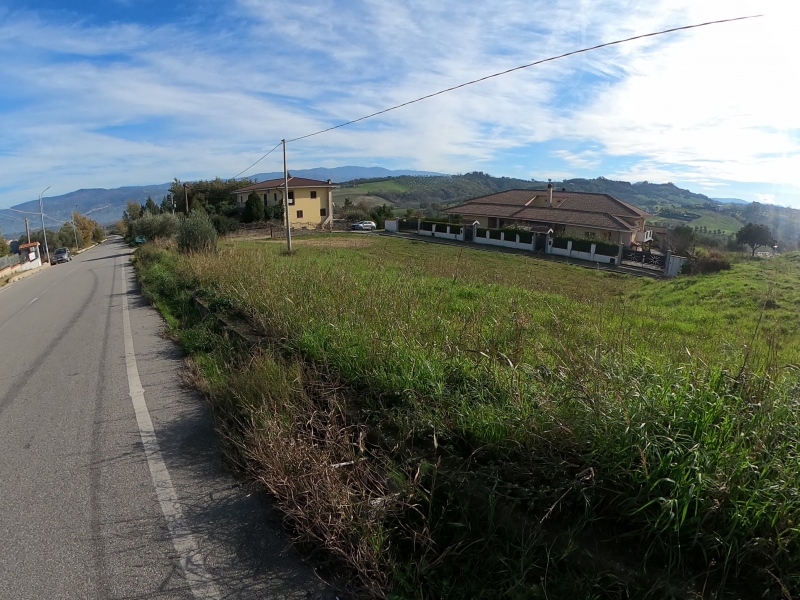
(573, 214)
(310, 200)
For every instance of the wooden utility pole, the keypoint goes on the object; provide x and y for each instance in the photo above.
(286, 200)
(186, 196)
(27, 230)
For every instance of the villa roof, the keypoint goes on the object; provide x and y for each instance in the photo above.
(294, 182)
(568, 208)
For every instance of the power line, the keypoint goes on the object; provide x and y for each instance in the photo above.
(507, 71)
(533, 64)
(258, 161)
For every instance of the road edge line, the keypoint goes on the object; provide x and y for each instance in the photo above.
(191, 559)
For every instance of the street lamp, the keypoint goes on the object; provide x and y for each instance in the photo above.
(75, 231)
(44, 232)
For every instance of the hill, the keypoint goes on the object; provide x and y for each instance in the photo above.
(337, 174)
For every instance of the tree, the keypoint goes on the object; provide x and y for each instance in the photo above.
(4, 249)
(681, 240)
(755, 236)
(98, 234)
(133, 210)
(85, 227)
(254, 208)
(151, 207)
(166, 204)
(347, 203)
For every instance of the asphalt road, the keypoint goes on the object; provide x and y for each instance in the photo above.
(94, 502)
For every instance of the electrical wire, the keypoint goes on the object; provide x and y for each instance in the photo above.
(258, 161)
(533, 64)
(507, 71)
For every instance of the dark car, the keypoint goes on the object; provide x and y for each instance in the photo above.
(61, 255)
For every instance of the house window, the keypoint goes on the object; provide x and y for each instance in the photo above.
(493, 222)
(589, 235)
(275, 196)
(291, 196)
(323, 212)
(299, 214)
(313, 193)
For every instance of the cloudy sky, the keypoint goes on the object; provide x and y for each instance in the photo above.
(127, 92)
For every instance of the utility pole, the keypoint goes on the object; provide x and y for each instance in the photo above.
(44, 231)
(75, 231)
(27, 230)
(186, 196)
(286, 201)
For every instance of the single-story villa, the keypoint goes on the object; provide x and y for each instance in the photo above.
(310, 200)
(574, 214)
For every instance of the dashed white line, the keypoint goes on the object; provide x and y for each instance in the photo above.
(191, 559)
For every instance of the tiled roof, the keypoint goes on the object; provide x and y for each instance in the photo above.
(598, 203)
(294, 182)
(28, 245)
(571, 200)
(573, 217)
(569, 208)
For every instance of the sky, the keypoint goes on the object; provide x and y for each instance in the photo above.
(112, 93)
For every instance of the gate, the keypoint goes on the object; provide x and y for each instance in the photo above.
(468, 233)
(645, 259)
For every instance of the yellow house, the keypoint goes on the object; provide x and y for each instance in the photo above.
(578, 214)
(310, 200)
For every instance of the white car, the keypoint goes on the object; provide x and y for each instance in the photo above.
(364, 225)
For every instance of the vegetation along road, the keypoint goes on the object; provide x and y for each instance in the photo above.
(111, 484)
(446, 423)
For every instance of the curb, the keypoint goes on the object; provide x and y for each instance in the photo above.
(16, 278)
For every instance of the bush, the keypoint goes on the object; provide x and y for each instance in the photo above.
(97, 234)
(713, 262)
(606, 249)
(355, 214)
(224, 224)
(197, 234)
(154, 227)
(254, 208)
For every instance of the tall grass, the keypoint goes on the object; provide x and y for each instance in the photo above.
(581, 404)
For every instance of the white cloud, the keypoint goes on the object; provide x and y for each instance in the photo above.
(125, 103)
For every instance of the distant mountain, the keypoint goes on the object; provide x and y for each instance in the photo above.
(102, 205)
(340, 174)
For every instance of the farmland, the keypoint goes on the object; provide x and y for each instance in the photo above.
(452, 423)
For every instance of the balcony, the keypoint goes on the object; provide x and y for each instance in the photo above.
(642, 237)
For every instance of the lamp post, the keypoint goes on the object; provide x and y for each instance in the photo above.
(75, 231)
(44, 232)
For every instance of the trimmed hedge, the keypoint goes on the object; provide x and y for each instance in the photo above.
(494, 234)
(606, 249)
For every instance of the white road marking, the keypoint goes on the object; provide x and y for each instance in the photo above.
(191, 560)
(31, 302)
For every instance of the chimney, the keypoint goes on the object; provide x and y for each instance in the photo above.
(329, 181)
(550, 193)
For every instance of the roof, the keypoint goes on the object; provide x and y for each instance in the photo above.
(569, 208)
(294, 182)
(28, 245)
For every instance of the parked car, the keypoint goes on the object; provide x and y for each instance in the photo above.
(140, 239)
(364, 225)
(61, 255)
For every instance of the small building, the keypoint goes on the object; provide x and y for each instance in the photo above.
(573, 214)
(310, 200)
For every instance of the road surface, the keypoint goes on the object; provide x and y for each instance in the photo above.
(111, 485)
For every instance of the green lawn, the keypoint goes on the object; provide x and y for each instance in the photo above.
(499, 411)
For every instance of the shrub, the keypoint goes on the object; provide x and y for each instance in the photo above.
(606, 249)
(355, 214)
(97, 234)
(254, 208)
(155, 226)
(224, 224)
(197, 234)
(713, 262)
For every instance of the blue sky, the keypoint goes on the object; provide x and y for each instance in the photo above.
(130, 92)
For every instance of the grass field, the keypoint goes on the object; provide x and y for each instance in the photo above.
(450, 423)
